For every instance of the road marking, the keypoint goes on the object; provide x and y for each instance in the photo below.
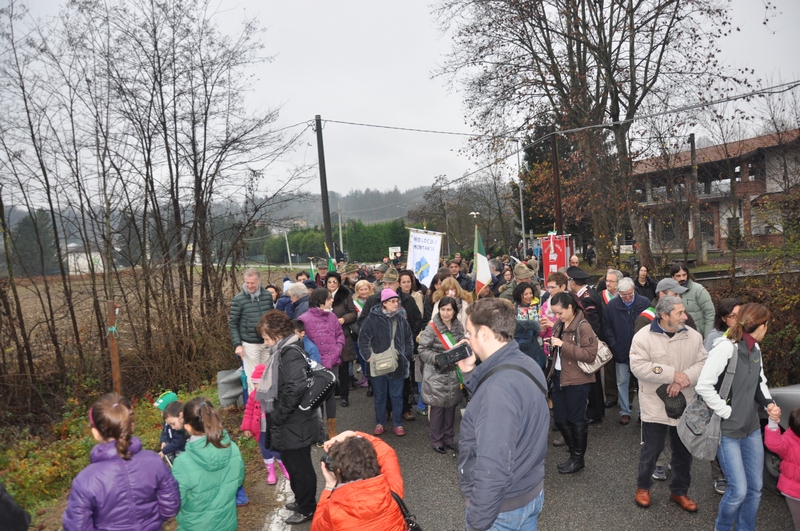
(275, 520)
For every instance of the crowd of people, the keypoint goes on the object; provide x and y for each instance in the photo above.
(529, 351)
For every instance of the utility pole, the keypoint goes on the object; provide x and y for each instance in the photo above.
(323, 183)
(521, 208)
(341, 245)
(557, 184)
(288, 252)
(699, 240)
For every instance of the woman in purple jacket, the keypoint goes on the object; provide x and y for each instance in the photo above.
(122, 482)
(324, 330)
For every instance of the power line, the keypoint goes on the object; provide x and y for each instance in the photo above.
(410, 129)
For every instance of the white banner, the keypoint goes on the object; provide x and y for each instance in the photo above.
(424, 248)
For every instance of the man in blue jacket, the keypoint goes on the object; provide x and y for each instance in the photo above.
(503, 439)
(619, 320)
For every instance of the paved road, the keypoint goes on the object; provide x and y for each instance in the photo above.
(597, 498)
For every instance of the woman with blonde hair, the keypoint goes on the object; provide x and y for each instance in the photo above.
(451, 288)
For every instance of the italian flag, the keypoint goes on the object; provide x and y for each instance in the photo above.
(331, 263)
(482, 274)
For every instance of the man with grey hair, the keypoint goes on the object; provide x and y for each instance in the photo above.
(619, 319)
(496, 269)
(667, 358)
(298, 294)
(613, 276)
(246, 310)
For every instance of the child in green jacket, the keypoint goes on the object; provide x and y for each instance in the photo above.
(208, 472)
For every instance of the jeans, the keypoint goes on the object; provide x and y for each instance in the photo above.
(623, 379)
(742, 461)
(653, 436)
(420, 404)
(569, 403)
(525, 518)
(385, 387)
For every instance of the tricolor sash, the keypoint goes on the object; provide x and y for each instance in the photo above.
(359, 305)
(446, 338)
(650, 313)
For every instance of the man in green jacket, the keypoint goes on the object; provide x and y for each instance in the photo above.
(246, 310)
(697, 300)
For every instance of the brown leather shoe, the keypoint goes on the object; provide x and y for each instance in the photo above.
(684, 501)
(625, 420)
(642, 498)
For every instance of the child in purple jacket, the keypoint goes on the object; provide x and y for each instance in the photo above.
(123, 486)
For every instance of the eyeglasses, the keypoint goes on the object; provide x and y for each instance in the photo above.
(548, 288)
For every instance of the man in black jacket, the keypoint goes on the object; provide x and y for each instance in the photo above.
(592, 306)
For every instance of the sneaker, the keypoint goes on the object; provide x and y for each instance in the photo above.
(399, 431)
(422, 412)
(379, 429)
(299, 518)
(659, 474)
(720, 485)
(292, 506)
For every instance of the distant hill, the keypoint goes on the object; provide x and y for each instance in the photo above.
(367, 205)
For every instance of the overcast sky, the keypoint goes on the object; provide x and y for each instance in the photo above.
(371, 61)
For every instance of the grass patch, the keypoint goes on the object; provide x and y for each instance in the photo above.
(38, 470)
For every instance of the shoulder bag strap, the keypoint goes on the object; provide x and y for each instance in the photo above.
(510, 367)
(727, 382)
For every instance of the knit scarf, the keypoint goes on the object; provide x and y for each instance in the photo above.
(267, 391)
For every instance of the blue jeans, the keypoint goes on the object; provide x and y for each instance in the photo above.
(523, 519)
(623, 380)
(420, 404)
(384, 387)
(742, 462)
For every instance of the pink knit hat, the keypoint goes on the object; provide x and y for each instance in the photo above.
(258, 371)
(387, 294)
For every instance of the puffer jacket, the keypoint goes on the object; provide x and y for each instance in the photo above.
(344, 308)
(572, 350)
(208, 478)
(246, 310)
(324, 330)
(291, 428)
(439, 389)
(787, 446)
(114, 493)
(284, 304)
(375, 336)
(367, 503)
(251, 421)
(699, 305)
(618, 324)
(656, 357)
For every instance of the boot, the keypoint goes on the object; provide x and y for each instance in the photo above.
(566, 432)
(332, 428)
(271, 479)
(283, 469)
(580, 434)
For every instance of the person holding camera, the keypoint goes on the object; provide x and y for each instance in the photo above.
(504, 430)
(361, 472)
(441, 388)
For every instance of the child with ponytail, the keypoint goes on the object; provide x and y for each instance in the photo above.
(124, 486)
(209, 471)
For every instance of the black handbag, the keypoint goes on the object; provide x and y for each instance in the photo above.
(411, 520)
(320, 383)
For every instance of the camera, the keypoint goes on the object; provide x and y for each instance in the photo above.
(328, 461)
(446, 361)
